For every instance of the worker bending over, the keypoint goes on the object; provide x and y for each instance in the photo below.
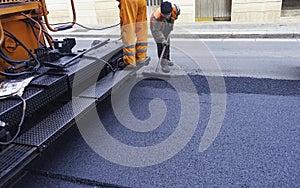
(161, 25)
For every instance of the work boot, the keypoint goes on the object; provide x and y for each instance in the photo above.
(164, 66)
(142, 62)
(170, 63)
(123, 65)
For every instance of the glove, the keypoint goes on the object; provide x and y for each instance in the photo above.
(164, 42)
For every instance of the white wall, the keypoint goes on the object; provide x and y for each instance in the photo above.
(59, 11)
(256, 10)
(187, 10)
(105, 12)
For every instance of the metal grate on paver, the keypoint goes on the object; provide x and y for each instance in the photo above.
(54, 125)
(14, 157)
(11, 108)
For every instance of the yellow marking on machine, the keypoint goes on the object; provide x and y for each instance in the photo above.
(19, 8)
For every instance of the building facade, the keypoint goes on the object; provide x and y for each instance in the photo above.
(106, 12)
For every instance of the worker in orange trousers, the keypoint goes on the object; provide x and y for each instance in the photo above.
(134, 31)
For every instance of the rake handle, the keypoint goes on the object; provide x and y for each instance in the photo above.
(161, 57)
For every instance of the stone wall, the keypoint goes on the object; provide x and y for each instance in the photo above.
(104, 12)
(107, 12)
(187, 10)
(256, 10)
(59, 11)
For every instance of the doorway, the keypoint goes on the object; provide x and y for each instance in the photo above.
(290, 8)
(213, 10)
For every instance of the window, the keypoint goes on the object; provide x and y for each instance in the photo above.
(154, 2)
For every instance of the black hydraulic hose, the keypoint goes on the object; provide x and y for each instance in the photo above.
(32, 28)
(14, 74)
(43, 31)
(10, 61)
(38, 64)
(40, 27)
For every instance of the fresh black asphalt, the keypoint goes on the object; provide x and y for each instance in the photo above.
(257, 146)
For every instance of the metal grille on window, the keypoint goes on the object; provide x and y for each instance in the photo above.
(154, 2)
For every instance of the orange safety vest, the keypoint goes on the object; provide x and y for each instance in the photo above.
(160, 26)
(158, 15)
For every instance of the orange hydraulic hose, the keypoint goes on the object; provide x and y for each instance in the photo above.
(1, 34)
(45, 13)
(48, 37)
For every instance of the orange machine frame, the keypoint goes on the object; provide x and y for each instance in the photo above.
(12, 23)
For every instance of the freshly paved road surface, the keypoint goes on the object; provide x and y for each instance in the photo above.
(256, 146)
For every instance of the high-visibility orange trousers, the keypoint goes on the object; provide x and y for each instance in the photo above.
(133, 16)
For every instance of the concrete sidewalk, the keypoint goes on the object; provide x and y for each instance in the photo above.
(203, 30)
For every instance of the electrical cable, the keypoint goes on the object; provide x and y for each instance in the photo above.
(88, 28)
(20, 124)
(98, 29)
(101, 60)
(43, 30)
